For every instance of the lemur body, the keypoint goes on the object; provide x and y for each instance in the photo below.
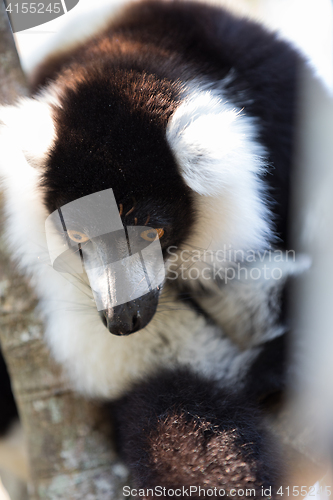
(186, 112)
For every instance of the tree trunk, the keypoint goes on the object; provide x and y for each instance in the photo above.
(69, 444)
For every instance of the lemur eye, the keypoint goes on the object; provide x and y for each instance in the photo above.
(150, 235)
(77, 236)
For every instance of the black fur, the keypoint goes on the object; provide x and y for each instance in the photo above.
(269, 372)
(111, 133)
(8, 409)
(178, 430)
(161, 43)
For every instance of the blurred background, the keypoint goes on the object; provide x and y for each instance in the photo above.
(308, 23)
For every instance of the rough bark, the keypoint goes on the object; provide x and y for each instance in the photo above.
(69, 444)
(12, 79)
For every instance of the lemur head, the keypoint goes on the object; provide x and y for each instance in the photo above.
(110, 132)
(159, 145)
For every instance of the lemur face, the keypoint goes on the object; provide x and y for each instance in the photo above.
(107, 136)
(123, 263)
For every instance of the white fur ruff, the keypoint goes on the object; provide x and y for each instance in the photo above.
(221, 160)
(98, 363)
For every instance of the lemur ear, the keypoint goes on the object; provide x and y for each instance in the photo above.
(213, 142)
(29, 127)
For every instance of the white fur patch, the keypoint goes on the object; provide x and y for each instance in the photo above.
(31, 126)
(220, 159)
(246, 302)
(219, 156)
(214, 143)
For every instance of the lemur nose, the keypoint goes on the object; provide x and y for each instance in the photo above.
(121, 320)
(130, 317)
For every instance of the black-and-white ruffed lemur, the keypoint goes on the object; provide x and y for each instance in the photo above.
(186, 112)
